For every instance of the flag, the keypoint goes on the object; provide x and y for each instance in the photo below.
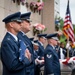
(68, 28)
(22, 49)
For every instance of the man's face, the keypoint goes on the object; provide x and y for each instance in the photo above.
(26, 26)
(35, 47)
(55, 42)
(43, 40)
(16, 26)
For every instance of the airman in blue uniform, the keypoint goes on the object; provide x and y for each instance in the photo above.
(36, 47)
(38, 62)
(10, 47)
(52, 65)
(41, 41)
(22, 35)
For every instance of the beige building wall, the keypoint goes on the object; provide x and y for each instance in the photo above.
(50, 11)
(48, 16)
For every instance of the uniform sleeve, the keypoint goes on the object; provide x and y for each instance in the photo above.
(49, 63)
(10, 57)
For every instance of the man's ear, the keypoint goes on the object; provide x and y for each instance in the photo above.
(11, 24)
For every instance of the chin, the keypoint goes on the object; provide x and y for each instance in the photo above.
(27, 31)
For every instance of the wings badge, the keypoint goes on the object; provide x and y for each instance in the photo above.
(49, 56)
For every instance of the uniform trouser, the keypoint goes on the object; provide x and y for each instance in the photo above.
(31, 72)
(37, 70)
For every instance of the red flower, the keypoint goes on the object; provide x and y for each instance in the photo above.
(39, 26)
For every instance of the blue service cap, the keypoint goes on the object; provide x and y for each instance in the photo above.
(42, 35)
(53, 36)
(35, 42)
(31, 39)
(13, 17)
(26, 16)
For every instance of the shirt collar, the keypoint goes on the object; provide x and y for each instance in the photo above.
(53, 46)
(41, 43)
(23, 33)
(13, 36)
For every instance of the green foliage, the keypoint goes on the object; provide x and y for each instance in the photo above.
(61, 38)
(61, 24)
(74, 28)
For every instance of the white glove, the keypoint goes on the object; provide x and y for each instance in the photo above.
(37, 61)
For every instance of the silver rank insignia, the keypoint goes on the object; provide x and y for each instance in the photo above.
(49, 56)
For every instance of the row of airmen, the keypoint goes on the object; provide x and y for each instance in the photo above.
(62, 48)
(17, 51)
(17, 54)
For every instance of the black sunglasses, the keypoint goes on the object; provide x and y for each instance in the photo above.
(27, 21)
(18, 22)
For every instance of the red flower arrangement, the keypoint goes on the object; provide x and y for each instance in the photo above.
(40, 5)
(36, 6)
(38, 28)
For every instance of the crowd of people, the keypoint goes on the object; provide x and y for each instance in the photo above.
(21, 55)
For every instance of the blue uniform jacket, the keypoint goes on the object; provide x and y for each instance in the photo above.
(29, 45)
(52, 65)
(40, 50)
(10, 57)
(35, 55)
